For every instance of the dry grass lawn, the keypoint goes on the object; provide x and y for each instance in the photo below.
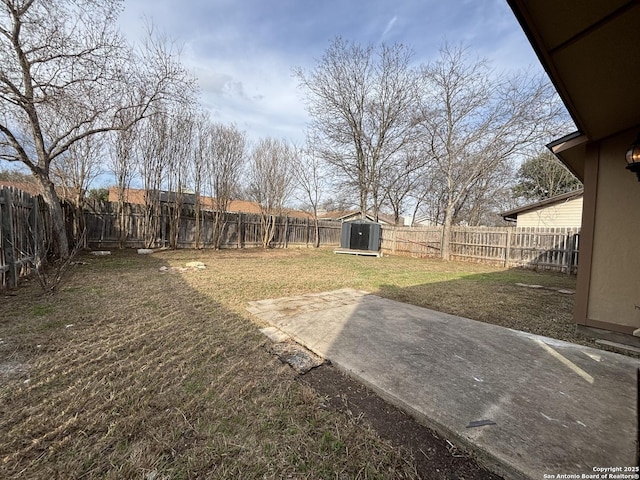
(129, 372)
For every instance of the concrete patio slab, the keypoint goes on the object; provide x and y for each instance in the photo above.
(559, 408)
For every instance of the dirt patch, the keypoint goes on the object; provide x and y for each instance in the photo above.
(296, 356)
(435, 457)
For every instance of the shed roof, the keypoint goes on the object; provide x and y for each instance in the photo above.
(343, 216)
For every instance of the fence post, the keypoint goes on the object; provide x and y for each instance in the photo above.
(239, 230)
(166, 219)
(507, 249)
(394, 236)
(8, 240)
(34, 215)
(570, 247)
(286, 230)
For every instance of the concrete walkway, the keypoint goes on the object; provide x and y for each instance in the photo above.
(558, 408)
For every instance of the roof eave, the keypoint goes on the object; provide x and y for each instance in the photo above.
(513, 214)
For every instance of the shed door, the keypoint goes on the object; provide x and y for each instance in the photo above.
(360, 236)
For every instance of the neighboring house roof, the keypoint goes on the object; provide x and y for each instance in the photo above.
(422, 220)
(34, 189)
(30, 188)
(387, 219)
(236, 206)
(298, 214)
(130, 195)
(512, 215)
(338, 215)
(137, 196)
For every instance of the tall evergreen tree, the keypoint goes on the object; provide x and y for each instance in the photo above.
(544, 176)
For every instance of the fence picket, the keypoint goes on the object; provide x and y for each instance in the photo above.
(542, 248)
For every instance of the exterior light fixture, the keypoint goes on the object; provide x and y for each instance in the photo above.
(633, 157)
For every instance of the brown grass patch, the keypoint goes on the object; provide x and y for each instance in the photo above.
(129, 372)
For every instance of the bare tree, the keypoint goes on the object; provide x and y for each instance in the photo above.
(427, 199)
(488, 196)
(403, 177)
(309, 178)
(152, 170)
(270, 182)
(224, 168)
(474, 122)
(11, 175)
(65, 75)
(361, 101)
(480, 205)
(123, 162)
(178, 152)
(74, 171)
(199, 167)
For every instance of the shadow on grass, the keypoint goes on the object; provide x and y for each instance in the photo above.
(540, 303)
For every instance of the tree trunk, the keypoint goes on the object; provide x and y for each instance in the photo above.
(196, 208)
(79, 225)
(268, 229)
(219, 224)
(396, 216)
(316, 226)
(122, 236)
(445, 246)
(363, 204)
(58, 227)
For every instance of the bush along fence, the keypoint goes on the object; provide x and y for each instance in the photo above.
(540, 248)
(23, 234)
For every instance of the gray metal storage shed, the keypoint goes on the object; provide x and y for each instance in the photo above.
(361, 235)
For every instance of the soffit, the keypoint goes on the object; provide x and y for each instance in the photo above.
(591, 51)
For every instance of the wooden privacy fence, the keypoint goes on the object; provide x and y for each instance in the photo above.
(541, 248)
(240, 229)
(22, 234)
(25, 235)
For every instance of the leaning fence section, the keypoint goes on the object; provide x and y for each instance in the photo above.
(540, 248)
(22, 234)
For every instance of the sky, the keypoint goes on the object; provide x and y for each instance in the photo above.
(242, 52)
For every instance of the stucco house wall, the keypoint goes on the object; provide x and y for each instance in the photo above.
(614, 282)
(589, 50)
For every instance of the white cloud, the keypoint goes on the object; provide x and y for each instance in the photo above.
(243, 52)
(260, 96)
(389, 25)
